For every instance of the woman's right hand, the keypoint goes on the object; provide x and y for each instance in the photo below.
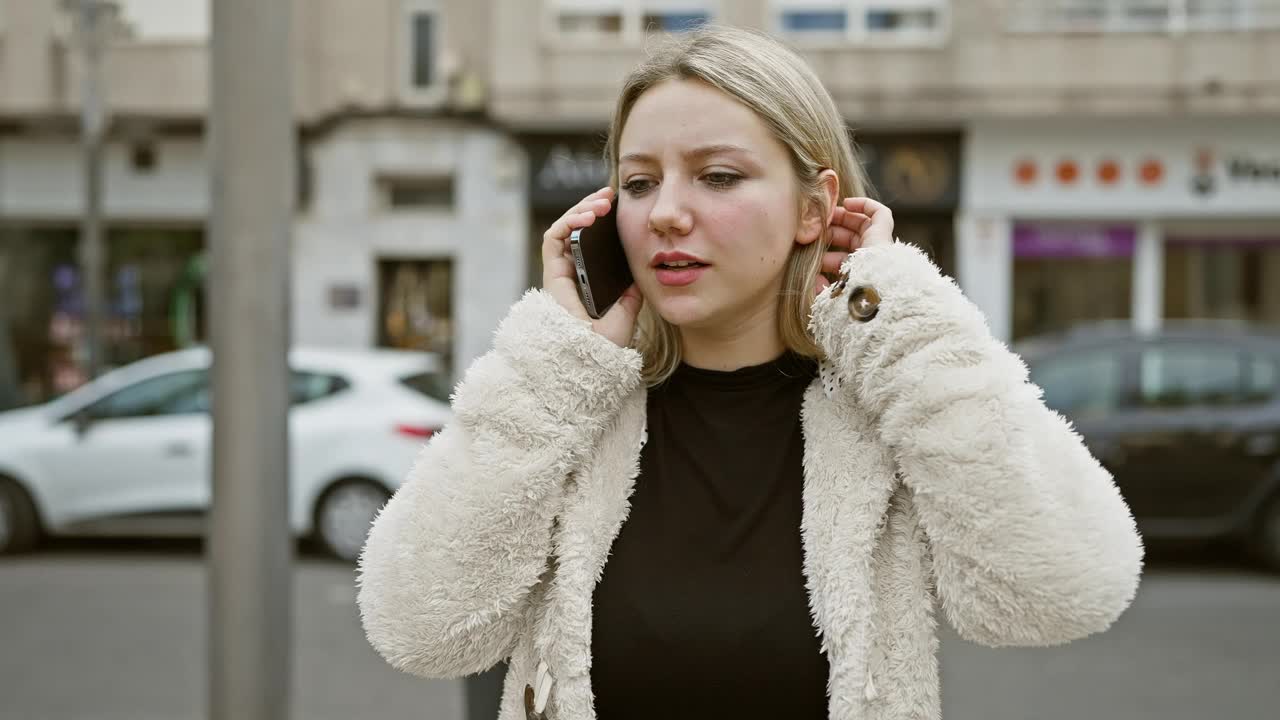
(560, 279)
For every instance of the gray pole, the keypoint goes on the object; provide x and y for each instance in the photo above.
(93, 20)
(250, 545)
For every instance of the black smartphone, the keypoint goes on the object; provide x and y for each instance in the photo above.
(600, 263)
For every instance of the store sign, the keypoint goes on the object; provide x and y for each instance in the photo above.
(1046, 240)
(564, 169)
(1170, 169)
(1240, 169)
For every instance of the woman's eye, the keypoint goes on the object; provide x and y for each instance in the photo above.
(636, 187)
(722, 179)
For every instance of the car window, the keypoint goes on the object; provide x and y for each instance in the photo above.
(1263, 380)
(1080, 385)
(434, 385)
(177, 393)
(305, 387)
(1182, 376)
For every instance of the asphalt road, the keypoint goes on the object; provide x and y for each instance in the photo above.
(117, 632)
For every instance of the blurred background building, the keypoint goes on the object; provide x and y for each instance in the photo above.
(1065, 160)
(411, 219)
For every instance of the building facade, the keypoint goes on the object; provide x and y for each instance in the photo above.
(1064, 161)
(1110, 219)
(411, 207)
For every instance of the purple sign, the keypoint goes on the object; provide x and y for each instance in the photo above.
(1053, 240)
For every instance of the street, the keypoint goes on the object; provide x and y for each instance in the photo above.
(95, 631)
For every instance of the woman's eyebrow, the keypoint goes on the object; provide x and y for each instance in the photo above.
(707, 150)
(692, 154)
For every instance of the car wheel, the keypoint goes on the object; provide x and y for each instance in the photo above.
(1266, 537)
(344, 515)
(19, 524)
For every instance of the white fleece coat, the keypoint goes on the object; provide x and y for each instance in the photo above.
(934, 476)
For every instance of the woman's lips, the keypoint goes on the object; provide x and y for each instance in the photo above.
(679, 277)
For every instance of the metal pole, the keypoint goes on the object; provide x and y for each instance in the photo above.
(250, 544)
(92, 20)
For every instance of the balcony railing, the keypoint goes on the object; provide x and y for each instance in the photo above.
(1143, 16)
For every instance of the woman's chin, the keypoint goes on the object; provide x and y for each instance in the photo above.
(685, 311)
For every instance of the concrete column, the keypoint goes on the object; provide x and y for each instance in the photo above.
(250, 544)
(984, 266)
(1148, 278)
(492, 253)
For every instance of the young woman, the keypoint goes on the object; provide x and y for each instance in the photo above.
(743, 491)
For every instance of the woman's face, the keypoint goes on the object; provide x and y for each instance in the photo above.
(702, 180)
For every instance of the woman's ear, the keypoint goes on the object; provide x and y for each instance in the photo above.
(816, 217)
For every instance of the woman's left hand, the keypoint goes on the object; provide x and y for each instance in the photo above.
(857, 223)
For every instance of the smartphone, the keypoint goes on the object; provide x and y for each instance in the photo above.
(600, 263)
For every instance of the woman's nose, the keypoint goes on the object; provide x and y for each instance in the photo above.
(670, 213)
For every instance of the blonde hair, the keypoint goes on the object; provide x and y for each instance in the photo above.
(783, 91)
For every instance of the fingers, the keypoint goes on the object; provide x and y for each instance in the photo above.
(579, 216)
(832, 261)
(865, 205)
(850, 220)
(851, 223)
(881, 217)
(619, 323)
(556, 259)
(878, 231)
(628, 305)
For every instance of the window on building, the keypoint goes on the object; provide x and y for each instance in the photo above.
(143, 156)
(864, 21)
(422, 41)
(815, 17)
(1069, 273)
(415, 306)
(626, 20)
(1091, 16)
(903, 18)
(424, 62)
(1223, 278)
(679, 21)
(585, 22)
(425, 192)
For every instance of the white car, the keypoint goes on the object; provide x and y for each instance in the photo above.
(129, 453)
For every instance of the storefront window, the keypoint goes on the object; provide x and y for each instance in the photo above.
(1223, 278)
(416, 306)
(42, 328)
(1066, 274)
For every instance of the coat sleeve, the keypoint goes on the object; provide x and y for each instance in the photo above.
(1031, 542)
(447, 569)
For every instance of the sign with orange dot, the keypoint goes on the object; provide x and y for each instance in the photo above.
(1067, 172)
(1108, 172)
(1025, 172)
(1151, 172)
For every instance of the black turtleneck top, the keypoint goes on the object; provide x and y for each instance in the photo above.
(702, 610)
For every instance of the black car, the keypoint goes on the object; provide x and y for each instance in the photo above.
(1187, 421)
